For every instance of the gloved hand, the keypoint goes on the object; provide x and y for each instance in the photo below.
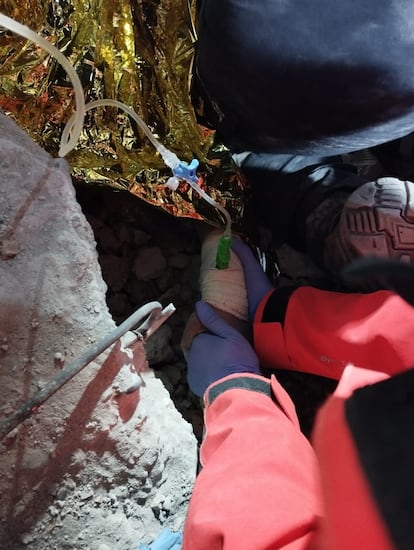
(257, 282)
(217, 353)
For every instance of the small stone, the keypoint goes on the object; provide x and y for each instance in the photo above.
(156, 472)
(149, 263)
(86, 494)
(53, 511)
(4, 346)
(135, 386)
(9, 248)
(70, 484)
(92, 425)
(26, 538)
(127, 380)
(59, 357)
(35, 458)
(62, 493)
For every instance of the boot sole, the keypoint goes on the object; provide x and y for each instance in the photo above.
(377, 221)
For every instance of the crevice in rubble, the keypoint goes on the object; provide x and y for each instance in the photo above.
(146, 254)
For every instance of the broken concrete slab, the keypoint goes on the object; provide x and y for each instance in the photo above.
(106, 460)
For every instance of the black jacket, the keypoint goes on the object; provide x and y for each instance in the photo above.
(308, 77)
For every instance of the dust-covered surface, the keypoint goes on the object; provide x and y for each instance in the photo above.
(107, 461)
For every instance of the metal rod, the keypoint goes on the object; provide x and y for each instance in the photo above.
(154, 309)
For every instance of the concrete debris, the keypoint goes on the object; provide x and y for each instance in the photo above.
(91, 465)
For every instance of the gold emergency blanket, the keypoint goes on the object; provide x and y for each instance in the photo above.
(139, 52)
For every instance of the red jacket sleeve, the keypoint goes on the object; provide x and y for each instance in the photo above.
(259, 486)
(321, 332)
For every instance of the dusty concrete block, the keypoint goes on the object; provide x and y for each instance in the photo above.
(86, 439)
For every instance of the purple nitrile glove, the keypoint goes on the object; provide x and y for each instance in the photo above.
(257, 282)
(217, 353)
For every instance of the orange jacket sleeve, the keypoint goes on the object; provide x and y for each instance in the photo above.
(320, 332)
(259, 487)
(262, 486)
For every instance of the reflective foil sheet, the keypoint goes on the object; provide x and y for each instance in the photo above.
(136, 51)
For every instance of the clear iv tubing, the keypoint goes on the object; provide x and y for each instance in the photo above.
(207, 198)
(73, 127)
(24, 31)
(170, 158)
(71, 123)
